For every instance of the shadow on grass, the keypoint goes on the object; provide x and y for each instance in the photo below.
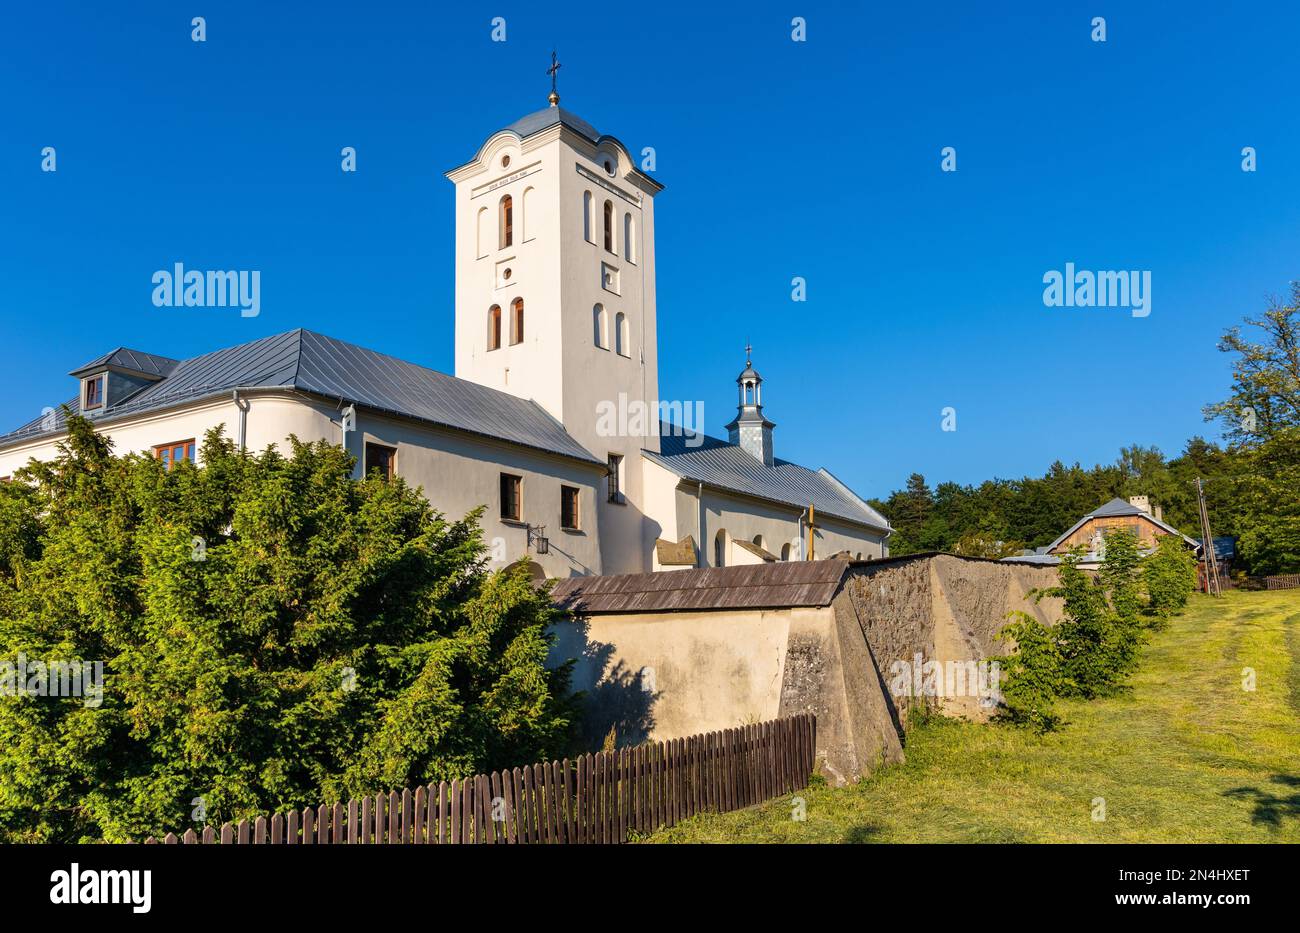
(1271, 808)
(858, 835)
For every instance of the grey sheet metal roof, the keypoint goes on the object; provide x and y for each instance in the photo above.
(547, 117)
(754, 586)
(148, 364)
(1115, 508)
(313, 363)
(725, 466)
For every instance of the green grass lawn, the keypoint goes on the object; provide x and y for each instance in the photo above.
(1185, 755)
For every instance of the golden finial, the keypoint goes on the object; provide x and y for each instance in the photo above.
(554, 71)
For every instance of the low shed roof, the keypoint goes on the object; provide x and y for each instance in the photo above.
(755, 586)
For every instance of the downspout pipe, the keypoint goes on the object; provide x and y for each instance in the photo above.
(348, 422)
(243, 405)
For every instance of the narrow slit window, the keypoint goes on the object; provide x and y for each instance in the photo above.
(494, 327)
(609, 226)
(507, 222)
(614, 473)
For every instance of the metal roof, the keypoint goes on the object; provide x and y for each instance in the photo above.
(138, 361)
(726, 466)
(753, 586)
(309, 362)
(547, 117)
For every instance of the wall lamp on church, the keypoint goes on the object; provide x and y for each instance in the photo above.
(537, 539)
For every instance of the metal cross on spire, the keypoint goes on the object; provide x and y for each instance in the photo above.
(554, 72)
(749, 352)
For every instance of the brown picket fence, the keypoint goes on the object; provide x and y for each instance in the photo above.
(1284, 581)
(602, 798)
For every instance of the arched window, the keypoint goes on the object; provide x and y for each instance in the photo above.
(586, 217)
(526, 222)
(621, 343)
(720, 549)
(758, 539)
(517, 321)
(600, 327)
(609, 226)
(785, 551)
(628, 238)
(494, 327)
(507, 222)
(480, 234)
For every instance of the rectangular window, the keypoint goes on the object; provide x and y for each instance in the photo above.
(94, 393)
(382, 458)
(512, 506)
(174, 453)
(615, 481)
(569, 508)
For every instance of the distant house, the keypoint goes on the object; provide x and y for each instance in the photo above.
(1089, 532)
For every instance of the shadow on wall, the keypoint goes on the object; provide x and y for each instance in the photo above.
(614, 696)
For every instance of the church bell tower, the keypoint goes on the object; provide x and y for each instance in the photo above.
(555, 289)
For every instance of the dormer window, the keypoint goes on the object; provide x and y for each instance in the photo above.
(92, 393)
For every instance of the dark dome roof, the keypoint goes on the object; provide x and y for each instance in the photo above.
(549, 116)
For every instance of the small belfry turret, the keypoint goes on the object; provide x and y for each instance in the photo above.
(750, 430)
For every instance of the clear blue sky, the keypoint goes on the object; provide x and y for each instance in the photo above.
(818, 159)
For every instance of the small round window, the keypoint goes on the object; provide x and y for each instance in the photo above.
(609, 167)
(505, 161)
(506, 274)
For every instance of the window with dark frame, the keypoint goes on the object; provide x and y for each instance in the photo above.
(381, 457)
(517, 321)
(494, 327)
(94, 393)
(609, 226)
(512, 488)
(614, 472)
(174, 453)
(569, 499)
(507, 222)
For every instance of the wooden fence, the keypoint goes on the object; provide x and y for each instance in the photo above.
(603, 798)
(1283, 582)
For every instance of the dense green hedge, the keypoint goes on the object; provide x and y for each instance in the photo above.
(274, 634)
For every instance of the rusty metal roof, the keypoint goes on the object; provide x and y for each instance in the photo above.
(780, 585)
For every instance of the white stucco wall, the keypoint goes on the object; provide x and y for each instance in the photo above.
(673, 506)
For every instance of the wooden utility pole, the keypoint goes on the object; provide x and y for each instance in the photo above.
(1207, 544)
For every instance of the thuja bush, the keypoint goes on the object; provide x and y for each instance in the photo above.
(274, 634)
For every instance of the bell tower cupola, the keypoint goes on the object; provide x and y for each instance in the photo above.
(750, 430)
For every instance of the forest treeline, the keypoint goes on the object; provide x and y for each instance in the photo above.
(1251, 479)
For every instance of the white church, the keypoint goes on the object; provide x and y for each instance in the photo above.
(555, 323)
